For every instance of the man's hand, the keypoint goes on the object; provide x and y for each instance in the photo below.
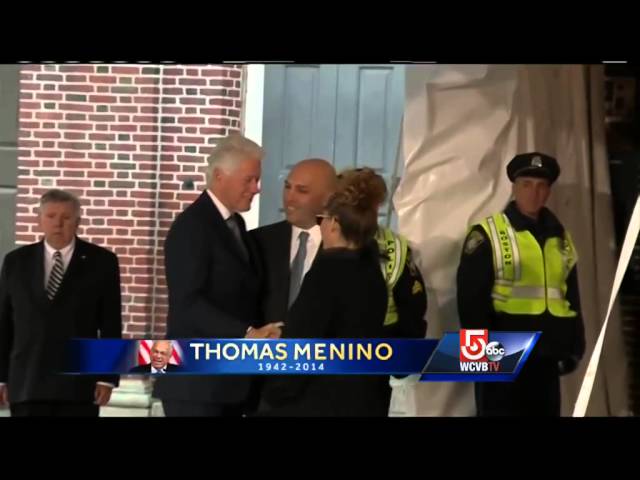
(102, 395)
(271, 330)
(4, 395)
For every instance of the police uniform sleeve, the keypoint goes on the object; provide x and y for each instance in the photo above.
(410, 297)
(569, 364)
(475, 281)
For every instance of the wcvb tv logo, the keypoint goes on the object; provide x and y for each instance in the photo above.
(477, 354)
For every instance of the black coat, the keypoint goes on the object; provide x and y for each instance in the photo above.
(214, 292)
(34, 330)
(343, 296)
(147, 368)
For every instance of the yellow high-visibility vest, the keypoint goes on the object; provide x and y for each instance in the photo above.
(395, 248)
(528, 279)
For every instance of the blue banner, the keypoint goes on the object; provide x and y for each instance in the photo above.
(470, 355)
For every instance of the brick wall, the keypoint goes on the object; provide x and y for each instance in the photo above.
(131, 141)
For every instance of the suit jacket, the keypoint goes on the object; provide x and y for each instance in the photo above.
(214, 292)
(34, 329)
(274, 245)
(343, 296)
(170, 367)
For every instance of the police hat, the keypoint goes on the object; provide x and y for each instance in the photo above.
(533, 165)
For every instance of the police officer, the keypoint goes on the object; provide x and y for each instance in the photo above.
(518, 272)
(407, 301)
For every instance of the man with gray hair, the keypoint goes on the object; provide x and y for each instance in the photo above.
(50, 291)
(214, 279)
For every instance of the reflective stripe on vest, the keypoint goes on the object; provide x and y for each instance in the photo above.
(394, 247)
(528, 280)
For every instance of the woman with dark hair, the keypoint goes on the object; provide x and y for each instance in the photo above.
(343, 296)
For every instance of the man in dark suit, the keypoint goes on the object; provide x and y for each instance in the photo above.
(161, 351)
(289, 248)
(51, 291)
(214, 279)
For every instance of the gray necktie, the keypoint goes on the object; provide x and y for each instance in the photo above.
(297, 267)
(232, 223)
(55, 278)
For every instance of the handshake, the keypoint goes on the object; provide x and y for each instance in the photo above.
(271, 330)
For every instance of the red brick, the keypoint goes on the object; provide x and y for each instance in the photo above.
(173, 71)
(108, 174)
(46, 115)
(102, 117)
(29, 86)
(103, 99)
(103, 79)
(46, 134)
(126, 70)
(155, 91)
(49, 96)
(213, 111)
(101, 127)
(139, 157)
(221, 82)
(146, 80)
(148, 148)
(29, 143)
(102, 156)
(173, 111)
(148, 128)
(123, 128)
(145, 204)
(102, 89)
(144, 119)
(144, 138)
(75, 135)
(77, 68)
(119, 222)
(80, 88)
(74, 154)
(122, 241)
(124, 118)
(73, 173)
(47, 154)
(145, 100)
(76, 107)
(103, 137)
(191, 120)
(122, 203)
(76, 117)
(122, 147)
(75, 126)
(74, 164)
(142, 214)
(30, 105)
(138, 194)
(218, 72)
(30, 125)
(173, 91)
(75, 145)
(100, 193)
(76, 78)
(192, 81)
(74, 183)
(123, 109)
(49, 77)
(235, 73)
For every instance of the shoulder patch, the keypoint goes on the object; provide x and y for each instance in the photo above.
(474, 240)
(417, 288)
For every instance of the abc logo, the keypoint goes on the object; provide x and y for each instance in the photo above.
(494, 351)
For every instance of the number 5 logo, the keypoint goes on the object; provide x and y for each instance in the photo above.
(473, 344)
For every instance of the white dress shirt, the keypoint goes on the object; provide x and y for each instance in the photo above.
(49, 251)
(313, 245)
(224, 211)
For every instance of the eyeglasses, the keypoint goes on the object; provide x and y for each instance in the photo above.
(319, 218)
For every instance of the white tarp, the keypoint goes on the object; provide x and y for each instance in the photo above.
(462, 125)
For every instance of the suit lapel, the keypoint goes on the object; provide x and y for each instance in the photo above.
(213, 216)
(36, 275)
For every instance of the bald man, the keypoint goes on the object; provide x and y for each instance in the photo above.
(161, 351)
(288, 248)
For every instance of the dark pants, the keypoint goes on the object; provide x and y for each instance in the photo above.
(54, 409)
(179, 408)
(536, 392)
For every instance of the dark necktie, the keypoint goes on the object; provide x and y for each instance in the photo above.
(232, 223)
(55, 278)
(297, 267)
